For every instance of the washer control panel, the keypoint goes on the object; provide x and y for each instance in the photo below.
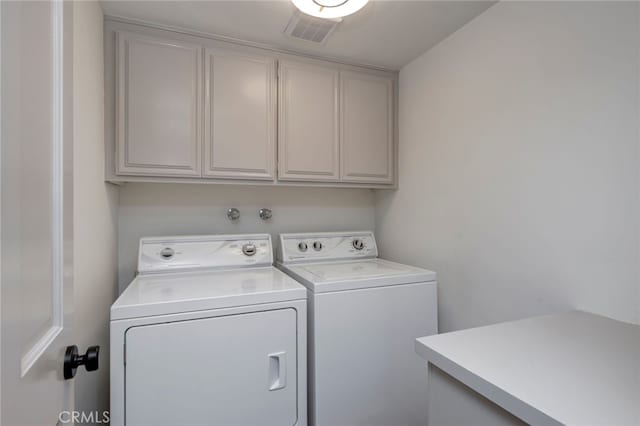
(164, 254)
(326, 245)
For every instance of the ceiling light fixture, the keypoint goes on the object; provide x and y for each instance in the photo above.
(329, 9)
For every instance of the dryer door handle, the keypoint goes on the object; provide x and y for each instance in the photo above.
(277, 371)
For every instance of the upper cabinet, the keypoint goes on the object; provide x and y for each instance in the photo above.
(308, 123)
(158, 106)
(186, 108)
(240, 115)
(335, 125)
(366, 128)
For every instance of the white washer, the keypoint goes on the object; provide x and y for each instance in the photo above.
(209, 332)
(364, 316)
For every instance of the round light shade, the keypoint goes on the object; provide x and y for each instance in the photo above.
(329, 8)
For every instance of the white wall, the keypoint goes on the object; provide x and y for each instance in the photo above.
(519, 164)
(95, 208)
(163, 209)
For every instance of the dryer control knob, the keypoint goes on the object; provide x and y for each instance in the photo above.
(249, 249)
(317, 245)
(302, 246)
(167, 253)
(358, 244)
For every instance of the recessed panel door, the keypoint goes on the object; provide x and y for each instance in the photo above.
(240, 115)
(366, 128)
(230, 370)
(308, 123)
(36, 211)
(158, 106)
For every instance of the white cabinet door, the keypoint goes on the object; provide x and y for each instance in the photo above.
(158, 106)
(234, 370)
(308, 123)
(366, 128)
(240, 114)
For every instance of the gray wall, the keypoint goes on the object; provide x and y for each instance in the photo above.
(519, 164)
(174, 209)
(95, 208)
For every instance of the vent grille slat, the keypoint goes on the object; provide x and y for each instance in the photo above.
(309, 28)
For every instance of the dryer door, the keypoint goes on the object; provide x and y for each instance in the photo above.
(228, 370)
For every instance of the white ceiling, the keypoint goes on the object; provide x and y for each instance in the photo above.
(387, 34)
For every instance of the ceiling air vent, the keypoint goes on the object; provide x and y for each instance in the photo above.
(309, 28)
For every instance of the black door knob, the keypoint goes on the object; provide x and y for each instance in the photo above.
(72, 360)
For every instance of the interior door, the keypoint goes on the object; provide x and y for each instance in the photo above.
(36, 210)
(235, 370)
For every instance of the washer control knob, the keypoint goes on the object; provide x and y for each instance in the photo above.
(249, 249)
(167, 253)
(358, 244)
(265, 214)
(302, 246)
(317, 245)
(233, 213)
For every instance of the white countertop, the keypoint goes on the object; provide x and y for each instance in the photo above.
(574, 368)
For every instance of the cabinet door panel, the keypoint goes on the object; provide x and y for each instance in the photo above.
(240, 128)
(158, 106)
(366, 128)
(308, 123)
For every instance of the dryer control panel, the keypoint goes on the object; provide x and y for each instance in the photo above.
(326, 246)
(202, 252)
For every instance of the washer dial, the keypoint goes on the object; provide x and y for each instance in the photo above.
(317, 245)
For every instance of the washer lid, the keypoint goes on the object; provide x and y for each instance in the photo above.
(162, 294)
(349, 275)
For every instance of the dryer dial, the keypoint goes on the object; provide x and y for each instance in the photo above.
(167, 253)
(358, 244)
(249, 249)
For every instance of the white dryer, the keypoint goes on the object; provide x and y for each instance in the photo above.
(209, 333)
(364, 316)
